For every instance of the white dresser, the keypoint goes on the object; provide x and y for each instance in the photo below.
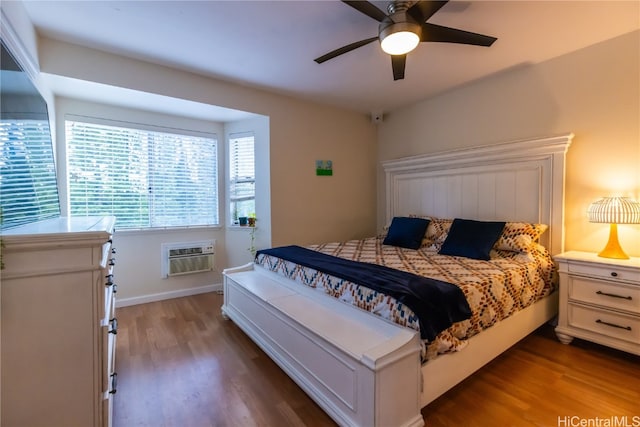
(58, 323)
(599, 300)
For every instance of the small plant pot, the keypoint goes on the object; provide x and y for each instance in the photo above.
(251, 221)
(243, 221)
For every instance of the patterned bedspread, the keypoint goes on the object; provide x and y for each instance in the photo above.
(495, 289)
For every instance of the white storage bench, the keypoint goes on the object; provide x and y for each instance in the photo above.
(361, 369)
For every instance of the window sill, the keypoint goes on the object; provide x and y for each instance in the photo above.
(142, 231)
(240, 228)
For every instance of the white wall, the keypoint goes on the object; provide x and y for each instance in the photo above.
(293, 205)
(138, 268)
(593, 92)
(139, 252)
(305, 208)
(239, 238)
(19, 35)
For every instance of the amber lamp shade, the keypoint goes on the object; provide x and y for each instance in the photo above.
(614, 211)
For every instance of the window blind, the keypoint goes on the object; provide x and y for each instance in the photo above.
(147, 179)
(242, 176)
(28, 186)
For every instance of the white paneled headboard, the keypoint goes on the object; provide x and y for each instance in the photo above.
(512, 181)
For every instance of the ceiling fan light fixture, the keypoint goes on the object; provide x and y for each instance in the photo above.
(403, 28)
(400, 38)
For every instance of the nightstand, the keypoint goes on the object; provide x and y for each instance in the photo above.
(599, 300)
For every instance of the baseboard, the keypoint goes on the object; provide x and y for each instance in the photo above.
(124, 302)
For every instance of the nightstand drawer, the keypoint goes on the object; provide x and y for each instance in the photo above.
(606, 294)
(610, 324)
(605, 272)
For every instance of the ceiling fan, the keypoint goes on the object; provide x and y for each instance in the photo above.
(400, 31)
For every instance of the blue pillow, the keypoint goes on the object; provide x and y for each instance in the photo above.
(406, 232)
(472, 239)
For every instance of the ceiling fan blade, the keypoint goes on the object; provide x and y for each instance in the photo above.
(368, 9)
(438, 33)
(344, 49)
(424, 10)
(398, 63)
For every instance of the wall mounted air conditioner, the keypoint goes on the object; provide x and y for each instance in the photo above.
(187, 258)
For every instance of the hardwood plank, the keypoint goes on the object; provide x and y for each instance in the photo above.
(180, 364)
(547, 380)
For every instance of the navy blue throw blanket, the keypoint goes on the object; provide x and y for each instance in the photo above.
(437, 304)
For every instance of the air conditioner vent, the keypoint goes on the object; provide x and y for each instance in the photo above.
(185, 251)
(187, 258)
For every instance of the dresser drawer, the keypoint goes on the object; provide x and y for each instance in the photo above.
(610, 324)
(107, 402)
(108, 355)
(607, 294)
(107, 411)
(605, 272)
(106, 282)
(108, 301)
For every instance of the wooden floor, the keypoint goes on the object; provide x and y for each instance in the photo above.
(180, 364)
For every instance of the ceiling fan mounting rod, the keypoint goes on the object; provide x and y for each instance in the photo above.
(398, 6)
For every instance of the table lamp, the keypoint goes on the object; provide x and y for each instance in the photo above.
(614, 211)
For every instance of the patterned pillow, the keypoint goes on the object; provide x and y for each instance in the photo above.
(436, 232)
(518, 236)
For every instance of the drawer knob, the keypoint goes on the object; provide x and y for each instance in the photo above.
(606, 294)
(614, 274)
(613, 325)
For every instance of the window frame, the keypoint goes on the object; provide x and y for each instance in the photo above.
(150, 129)
(231, 221)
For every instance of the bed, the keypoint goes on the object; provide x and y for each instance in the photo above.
(364, 358)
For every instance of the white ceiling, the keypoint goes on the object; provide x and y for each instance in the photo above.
(272, 44)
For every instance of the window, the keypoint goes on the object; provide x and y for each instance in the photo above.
(242, 176)
(147, 179)
(28, 186)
